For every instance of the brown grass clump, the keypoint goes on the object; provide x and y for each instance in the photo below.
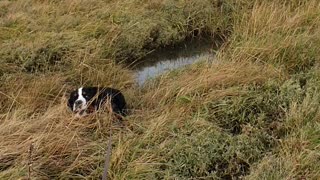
(60, 144)
(277, 33)
(212, 80)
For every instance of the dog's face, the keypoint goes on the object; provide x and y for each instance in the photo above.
(80, 99)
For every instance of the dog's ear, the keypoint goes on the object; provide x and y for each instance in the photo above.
(70, 99)
(69, 104)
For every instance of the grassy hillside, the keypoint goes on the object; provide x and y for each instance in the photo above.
(251, 114)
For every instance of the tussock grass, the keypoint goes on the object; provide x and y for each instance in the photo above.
(252, 113)
(126, 30)
(277, 33)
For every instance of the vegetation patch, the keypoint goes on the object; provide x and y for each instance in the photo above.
(252, 112)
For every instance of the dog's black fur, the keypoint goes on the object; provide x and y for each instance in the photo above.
(92, 98)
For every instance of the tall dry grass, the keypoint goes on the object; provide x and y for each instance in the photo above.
(252, 114)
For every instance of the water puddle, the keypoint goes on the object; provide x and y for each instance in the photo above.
(167, 59)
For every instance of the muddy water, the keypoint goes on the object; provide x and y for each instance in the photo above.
(167, 59)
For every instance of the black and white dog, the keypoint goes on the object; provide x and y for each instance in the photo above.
(88, 99)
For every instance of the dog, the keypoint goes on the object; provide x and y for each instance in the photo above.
(89, 99)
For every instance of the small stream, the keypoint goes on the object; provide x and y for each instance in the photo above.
(167, 59)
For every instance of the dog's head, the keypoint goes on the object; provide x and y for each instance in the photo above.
(81, 98)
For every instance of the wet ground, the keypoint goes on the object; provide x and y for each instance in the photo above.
(170, 58)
